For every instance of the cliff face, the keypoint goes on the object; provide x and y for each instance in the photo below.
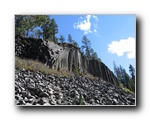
(62, 56)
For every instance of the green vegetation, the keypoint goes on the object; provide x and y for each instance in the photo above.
(36, 26)
(62, 38)
(81, 100)
(76, 71)
(89, 52)
(71, 41)
(127, 82)
(87, 75)
(132, 72)
(86, 45)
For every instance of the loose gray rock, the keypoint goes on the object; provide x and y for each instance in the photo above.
(52, 90)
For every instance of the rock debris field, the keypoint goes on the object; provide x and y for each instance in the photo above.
(36, 88)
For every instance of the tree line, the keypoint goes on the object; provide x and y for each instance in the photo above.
(85, 48)
(42, 26)
(36, 26)
(125, 80)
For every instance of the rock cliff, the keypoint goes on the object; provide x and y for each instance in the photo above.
(62, 56)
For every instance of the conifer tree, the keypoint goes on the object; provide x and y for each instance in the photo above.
(132, 72)
(70, 40)
(61, 39)
(86, 45)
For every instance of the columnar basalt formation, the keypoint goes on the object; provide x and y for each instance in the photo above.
(62, 56)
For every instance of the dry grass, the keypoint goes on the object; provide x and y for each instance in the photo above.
(88, 75)
(33, 65)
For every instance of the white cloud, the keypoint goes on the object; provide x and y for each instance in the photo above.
(95, 30)
(85, 25)
(88, 17)
(123, 46)
(95, 17)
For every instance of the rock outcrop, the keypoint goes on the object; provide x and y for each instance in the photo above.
(62, 56)
(35, 88)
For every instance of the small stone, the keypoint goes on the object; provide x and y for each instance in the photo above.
(42, 84)
(26, 99)
(28, 104)
(19, 90)
(21, 102)
(50, 92)
(17, 97)
(46, 104)
(22, 89)
(40, 101)
(29, 95)
(45, 100)
(92, 101)
(32, 93)
(130, 98)
(60, 95)
(44, 94)
(110, 91)
(24, 93)
(97, 101)
(30, 100)
(59, 101)
(115, 102)
(53, 102)
(109, 98)
(37, 104)
(20, 98)
(115, 95)
(31, 80)
(77, 96)
(38, 91)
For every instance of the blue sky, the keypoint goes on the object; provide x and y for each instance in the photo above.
(112, 36)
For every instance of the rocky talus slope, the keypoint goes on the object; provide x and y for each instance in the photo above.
(35, 88)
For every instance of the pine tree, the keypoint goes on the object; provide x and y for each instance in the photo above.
(70, 40)
(75, 44)
(47, 31)
(54, 28)
(122, 75)
(61, 39)
(93, 54)
(117, 72)
(22, 25)
(38, 34)
(132, 72)
(86, 45)
(115, 69)
(25, 24)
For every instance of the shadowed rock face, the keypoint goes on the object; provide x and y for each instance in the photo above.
(62, 56)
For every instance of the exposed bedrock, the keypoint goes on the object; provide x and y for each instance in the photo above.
(62, 56)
